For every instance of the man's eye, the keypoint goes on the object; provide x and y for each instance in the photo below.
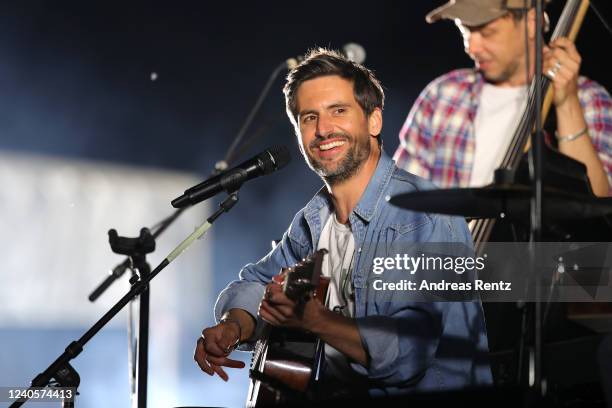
(340, 110)
(308, 118)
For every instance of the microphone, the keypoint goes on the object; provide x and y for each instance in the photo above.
(352, 51)
(268, 161)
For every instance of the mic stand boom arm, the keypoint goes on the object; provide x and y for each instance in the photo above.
(76, 347)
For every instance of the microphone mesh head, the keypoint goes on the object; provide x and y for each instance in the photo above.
(275, 158)
(354, 52)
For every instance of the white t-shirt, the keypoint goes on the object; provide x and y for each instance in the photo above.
(337, 264)
(338, 239)
(499, 111)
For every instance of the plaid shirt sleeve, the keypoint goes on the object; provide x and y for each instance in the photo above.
(415, 136)
(597, 107)
(436, 142)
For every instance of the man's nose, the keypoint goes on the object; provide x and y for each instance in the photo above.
(473, 44)
(325, 126)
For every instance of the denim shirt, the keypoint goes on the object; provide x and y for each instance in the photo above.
(412, 346)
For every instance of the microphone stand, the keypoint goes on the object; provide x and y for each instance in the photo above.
(136, 250)
(120, 269)
(139, 377)
(535, 378)
(220, 166)
(57, 370)
(231, 152)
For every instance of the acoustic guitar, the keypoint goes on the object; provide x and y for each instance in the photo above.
(287, 362)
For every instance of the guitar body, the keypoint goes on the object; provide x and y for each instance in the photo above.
(287, 362)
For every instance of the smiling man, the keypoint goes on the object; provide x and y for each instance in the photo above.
(379, 344)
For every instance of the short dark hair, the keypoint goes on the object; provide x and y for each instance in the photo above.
(324, 62)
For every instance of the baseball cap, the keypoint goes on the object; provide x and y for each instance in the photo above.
(475, 12)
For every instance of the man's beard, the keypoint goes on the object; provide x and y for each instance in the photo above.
(357, 153)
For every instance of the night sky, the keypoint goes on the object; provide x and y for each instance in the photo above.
(75, 81)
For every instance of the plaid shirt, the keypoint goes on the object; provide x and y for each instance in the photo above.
(437, 140)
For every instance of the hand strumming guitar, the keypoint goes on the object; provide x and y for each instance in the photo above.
(334, 329)
(278, 310)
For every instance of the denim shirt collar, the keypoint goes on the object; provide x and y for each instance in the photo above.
(320, 206)
(373, 194)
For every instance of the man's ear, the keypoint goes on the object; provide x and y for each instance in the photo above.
(375, 122)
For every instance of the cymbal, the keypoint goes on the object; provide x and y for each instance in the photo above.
(504, 201)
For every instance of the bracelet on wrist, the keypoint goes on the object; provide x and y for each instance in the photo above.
(571, 137)
(230, 320)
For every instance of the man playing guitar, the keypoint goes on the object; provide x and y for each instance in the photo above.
(381, 341)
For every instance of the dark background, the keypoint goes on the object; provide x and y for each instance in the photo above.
(75, 81)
